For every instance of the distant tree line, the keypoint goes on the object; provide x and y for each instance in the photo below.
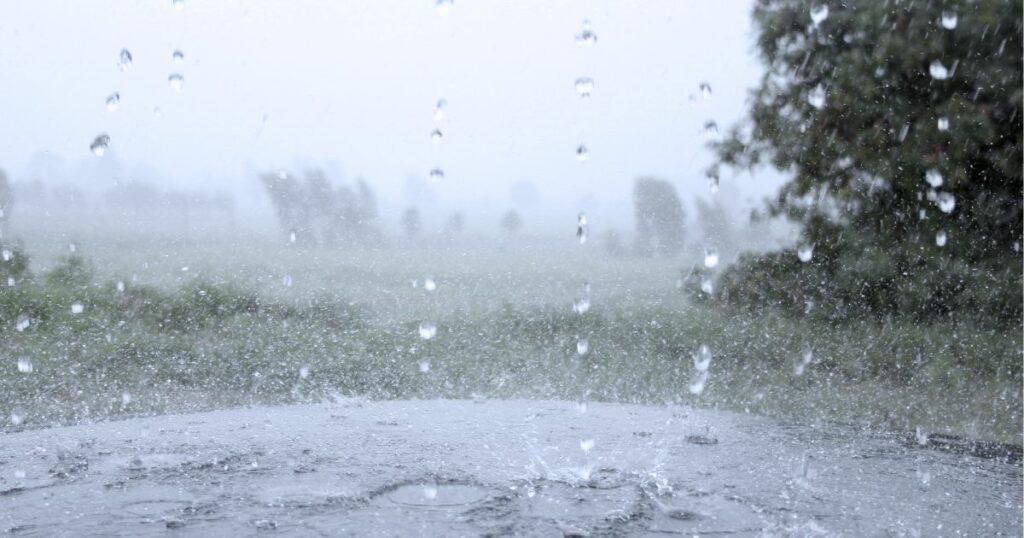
(312, 211)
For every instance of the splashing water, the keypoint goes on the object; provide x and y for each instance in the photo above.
(99, 145)
(439, 109)
(710, 130)
(287, 280)
(584, 87)
(938, 71)
(712, 182)
(805, 253)
(921, 436)
(710, 257)
(587, 445)
(581, 305)
(702, 359)
(303, 372)
(22, 323)
(424, 366)
(933, 177)
(429, 284)
(427, 330)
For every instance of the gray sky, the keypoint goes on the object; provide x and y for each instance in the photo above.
(356, 82)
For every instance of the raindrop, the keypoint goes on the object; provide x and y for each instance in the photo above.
(444, 6)
(424, 366)
(712, 182)
(584, 87)
(697, 383)
(120, 286)
(72, 247)
(805, 253)
(99, 145)
(126, 398)
(587, 445)
(943, 123)
(710, 130)
(303, 372)
(429, 284)
(903, 132)
(291, 238)
(178, 4)
(10, 281)
(949, 20)
(430, 492)
(17, 416)
(707, 286)
(22, 323)
(77, 308)
(6, 254)
(582, 228)
(287, 280)
(113, 101)
(427, 330)
(175, 81)
(25, 365)
(582, 153)
(157, 113)
(586, 36)
(940, 238)
(582, 346)
(436, 175)
(819, 13)
(710, 257)
(946, 202)
(177, 56)
(436, 136)
(816, 97)
(938, 71)
(692, 99)
(702, 359)
(581, 305)
(933, 177)
(921, 436)
(125, 61)
(439, 109)
(705, 90)
(801, 362)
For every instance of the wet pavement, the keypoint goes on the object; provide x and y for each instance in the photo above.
(495, 468)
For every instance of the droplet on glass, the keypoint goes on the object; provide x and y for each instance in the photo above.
(6, 254)
(707, 286)
(705, 90)
(933, 177)
(710, 257)
(17, 416)
(697, 382)
(444, 6)
(581, 305)
(424, 366)
(582, 153)
(819, 13)
(175, 81)
(805, 253)
(22, 323)
(943, 123)
(291, 238)
(427, 330)
(126, 398)
(99, 145)
(430, 492)
(124, 60)
(702, 359)
(710, 130)
(816, 97)
(582, 228)
(25, 365)
(940, 238)
(946, 202)
(287, 280)
(303, 372)
(177, 56)
(439, 109)
(429, 284)
(113, 101)
(436, 136)
(587, 445)
(712, 182)
(582, 346)
(802, 361)
(178, 4)
(584, 87)
(436, 175)
(921, 436)
(77, 308)
(938, 71)
(586, 35)
(903, 133)
(949, 20)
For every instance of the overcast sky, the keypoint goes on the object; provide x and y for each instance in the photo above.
(353, 85)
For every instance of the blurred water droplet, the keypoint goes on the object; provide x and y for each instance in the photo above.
(582, 228)
(429, 284)
(124, 60)
(430, 492)
(25, 365)
(22, 323)
(586, 35)
(584, 87)
(949, 20)
(692, 99)
(120, 286)
(436, 175)
(946, 202)
(710, 257)
(10, 281)
(707, 286)
(921, 436)
(287, 280)
(943, 123)
(705, 90)
(303, 372)
(439, 109)
(933, 177)
(903, 133)
(582, 153)
(444, 6)
(177, 56)
(702, 359)
(712, 182)
(6, 254)
(805, 253)
(938, 71)
(581, 305)
(816, 97)
(126, 398)
(113, 101)
(17, 416)
(582, 346)
(436, 136)
(819, 13)
(698, 382)
(77, 308)
(157, 113)
(710, 130)
(291, 237)
(72, 247)
(99, 145)
(424, 366)
(924, 476)
(178, 4)
(176, 81)
(427, 330)
(801, 362)
(586, 445)
(940, 238)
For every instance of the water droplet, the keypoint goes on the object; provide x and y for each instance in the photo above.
(291, 238)
(819, 13)
(125, 60)
(710, 257)
(702, 359)
(802, 361)
(933, 177)
(816, 97)
(707, 286)
(120, 286)
(77, 308)
(938, 71)
(303, 372)
(940, 238)
(946, 202)
(943, 123)
(99, 145)
(444, 6)
(175, 81)
(178, 4)
(582, 346)
(427, 330)
(581, 305)
(430, 492)
(582, 228)
(17, 416)
(584, 87)
(903, 132)
(697, 382)
(429, 284)
(436, 136)
(586, 35)
(22, 323)
(126, 398)
(436, 175)
(10, 281)
(177, 56)
(582, 153)
(287, 280)
(6, 254)
(712, 182)
(710, 130)
(921, 436)
(72, 247)
(439, 109)
(587, 445)
(705, 90)
(692, 99)
(949, 20)
(805, 253)
(424, 366)
(157, 113)
(113, 101)
(924, 476)
(25, 365)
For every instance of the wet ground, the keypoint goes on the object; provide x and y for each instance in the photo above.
(465, 468)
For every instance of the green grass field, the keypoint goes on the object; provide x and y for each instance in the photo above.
(228, 331)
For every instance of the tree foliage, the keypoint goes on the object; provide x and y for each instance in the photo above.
(312, 210)
(659, 218)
